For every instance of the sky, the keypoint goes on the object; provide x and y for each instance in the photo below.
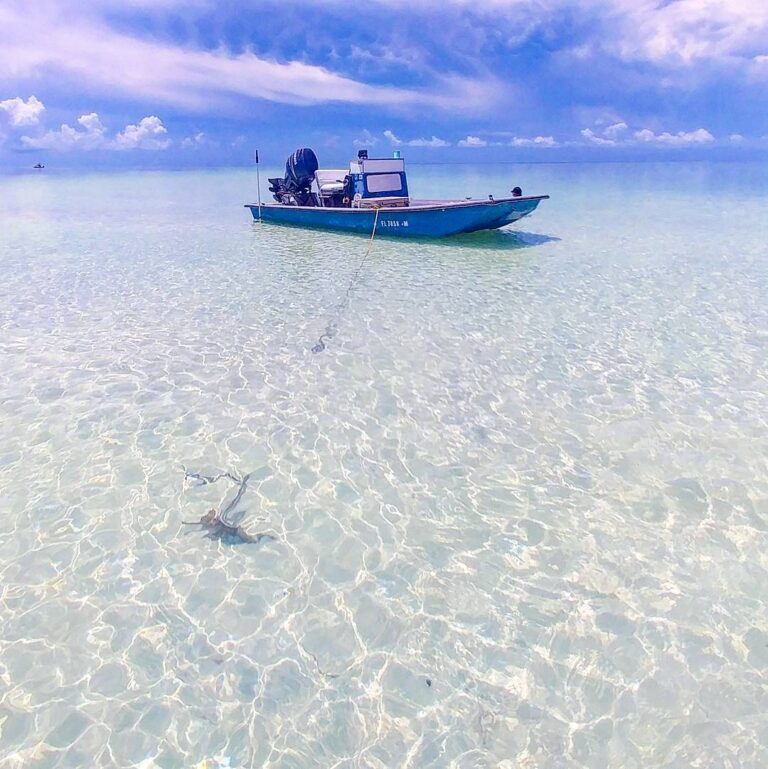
(166, 83)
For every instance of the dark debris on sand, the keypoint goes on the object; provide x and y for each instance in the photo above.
(224, 524)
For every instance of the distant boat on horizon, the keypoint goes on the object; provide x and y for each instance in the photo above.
(38, 165)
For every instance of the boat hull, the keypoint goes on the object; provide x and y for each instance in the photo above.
(428, 219)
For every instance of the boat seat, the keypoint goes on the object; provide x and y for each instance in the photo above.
(330, 180)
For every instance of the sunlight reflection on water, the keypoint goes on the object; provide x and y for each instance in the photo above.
(518, 507)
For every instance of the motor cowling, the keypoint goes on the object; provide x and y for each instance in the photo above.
(295, 189)
(300, 170)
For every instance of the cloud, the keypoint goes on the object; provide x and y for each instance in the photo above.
(85, 50)
(68, 138)
(366, 139)
(617, 134)
(674, 33)
(200, 139)
(699, 136)
(609, 136)
(736, 138)
(394, 140)
(557, 65)
(686, 30)
(148, 134)
(473, 141)
(433, 142)
(538, 141)
(615, 130)
(23, 113)
(591, 136)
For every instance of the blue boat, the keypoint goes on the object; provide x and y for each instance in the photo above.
(373, 197)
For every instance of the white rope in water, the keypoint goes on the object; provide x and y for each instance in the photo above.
(330, 329)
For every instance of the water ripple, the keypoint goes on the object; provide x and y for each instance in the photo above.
(517, 510)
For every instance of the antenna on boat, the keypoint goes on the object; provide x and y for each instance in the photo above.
(258, 180)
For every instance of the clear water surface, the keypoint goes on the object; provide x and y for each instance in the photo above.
(517, 512)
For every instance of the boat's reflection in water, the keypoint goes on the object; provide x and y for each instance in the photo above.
(505, 239)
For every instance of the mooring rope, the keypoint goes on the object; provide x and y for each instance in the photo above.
(330, 329)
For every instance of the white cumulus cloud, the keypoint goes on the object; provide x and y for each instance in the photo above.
(538, 141)
(473, 141)
(394, 140)
(615, 130)
(610, 135)
(150, 133)
(699, 136)
(433, 142)
(89, 137)
(591, 136)
(196, 140)
(618, 134)
(366, 139)
(23, 113)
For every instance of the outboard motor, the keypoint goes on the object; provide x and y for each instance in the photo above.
(296, 188)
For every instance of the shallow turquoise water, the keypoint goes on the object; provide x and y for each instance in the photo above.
(518, 507)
